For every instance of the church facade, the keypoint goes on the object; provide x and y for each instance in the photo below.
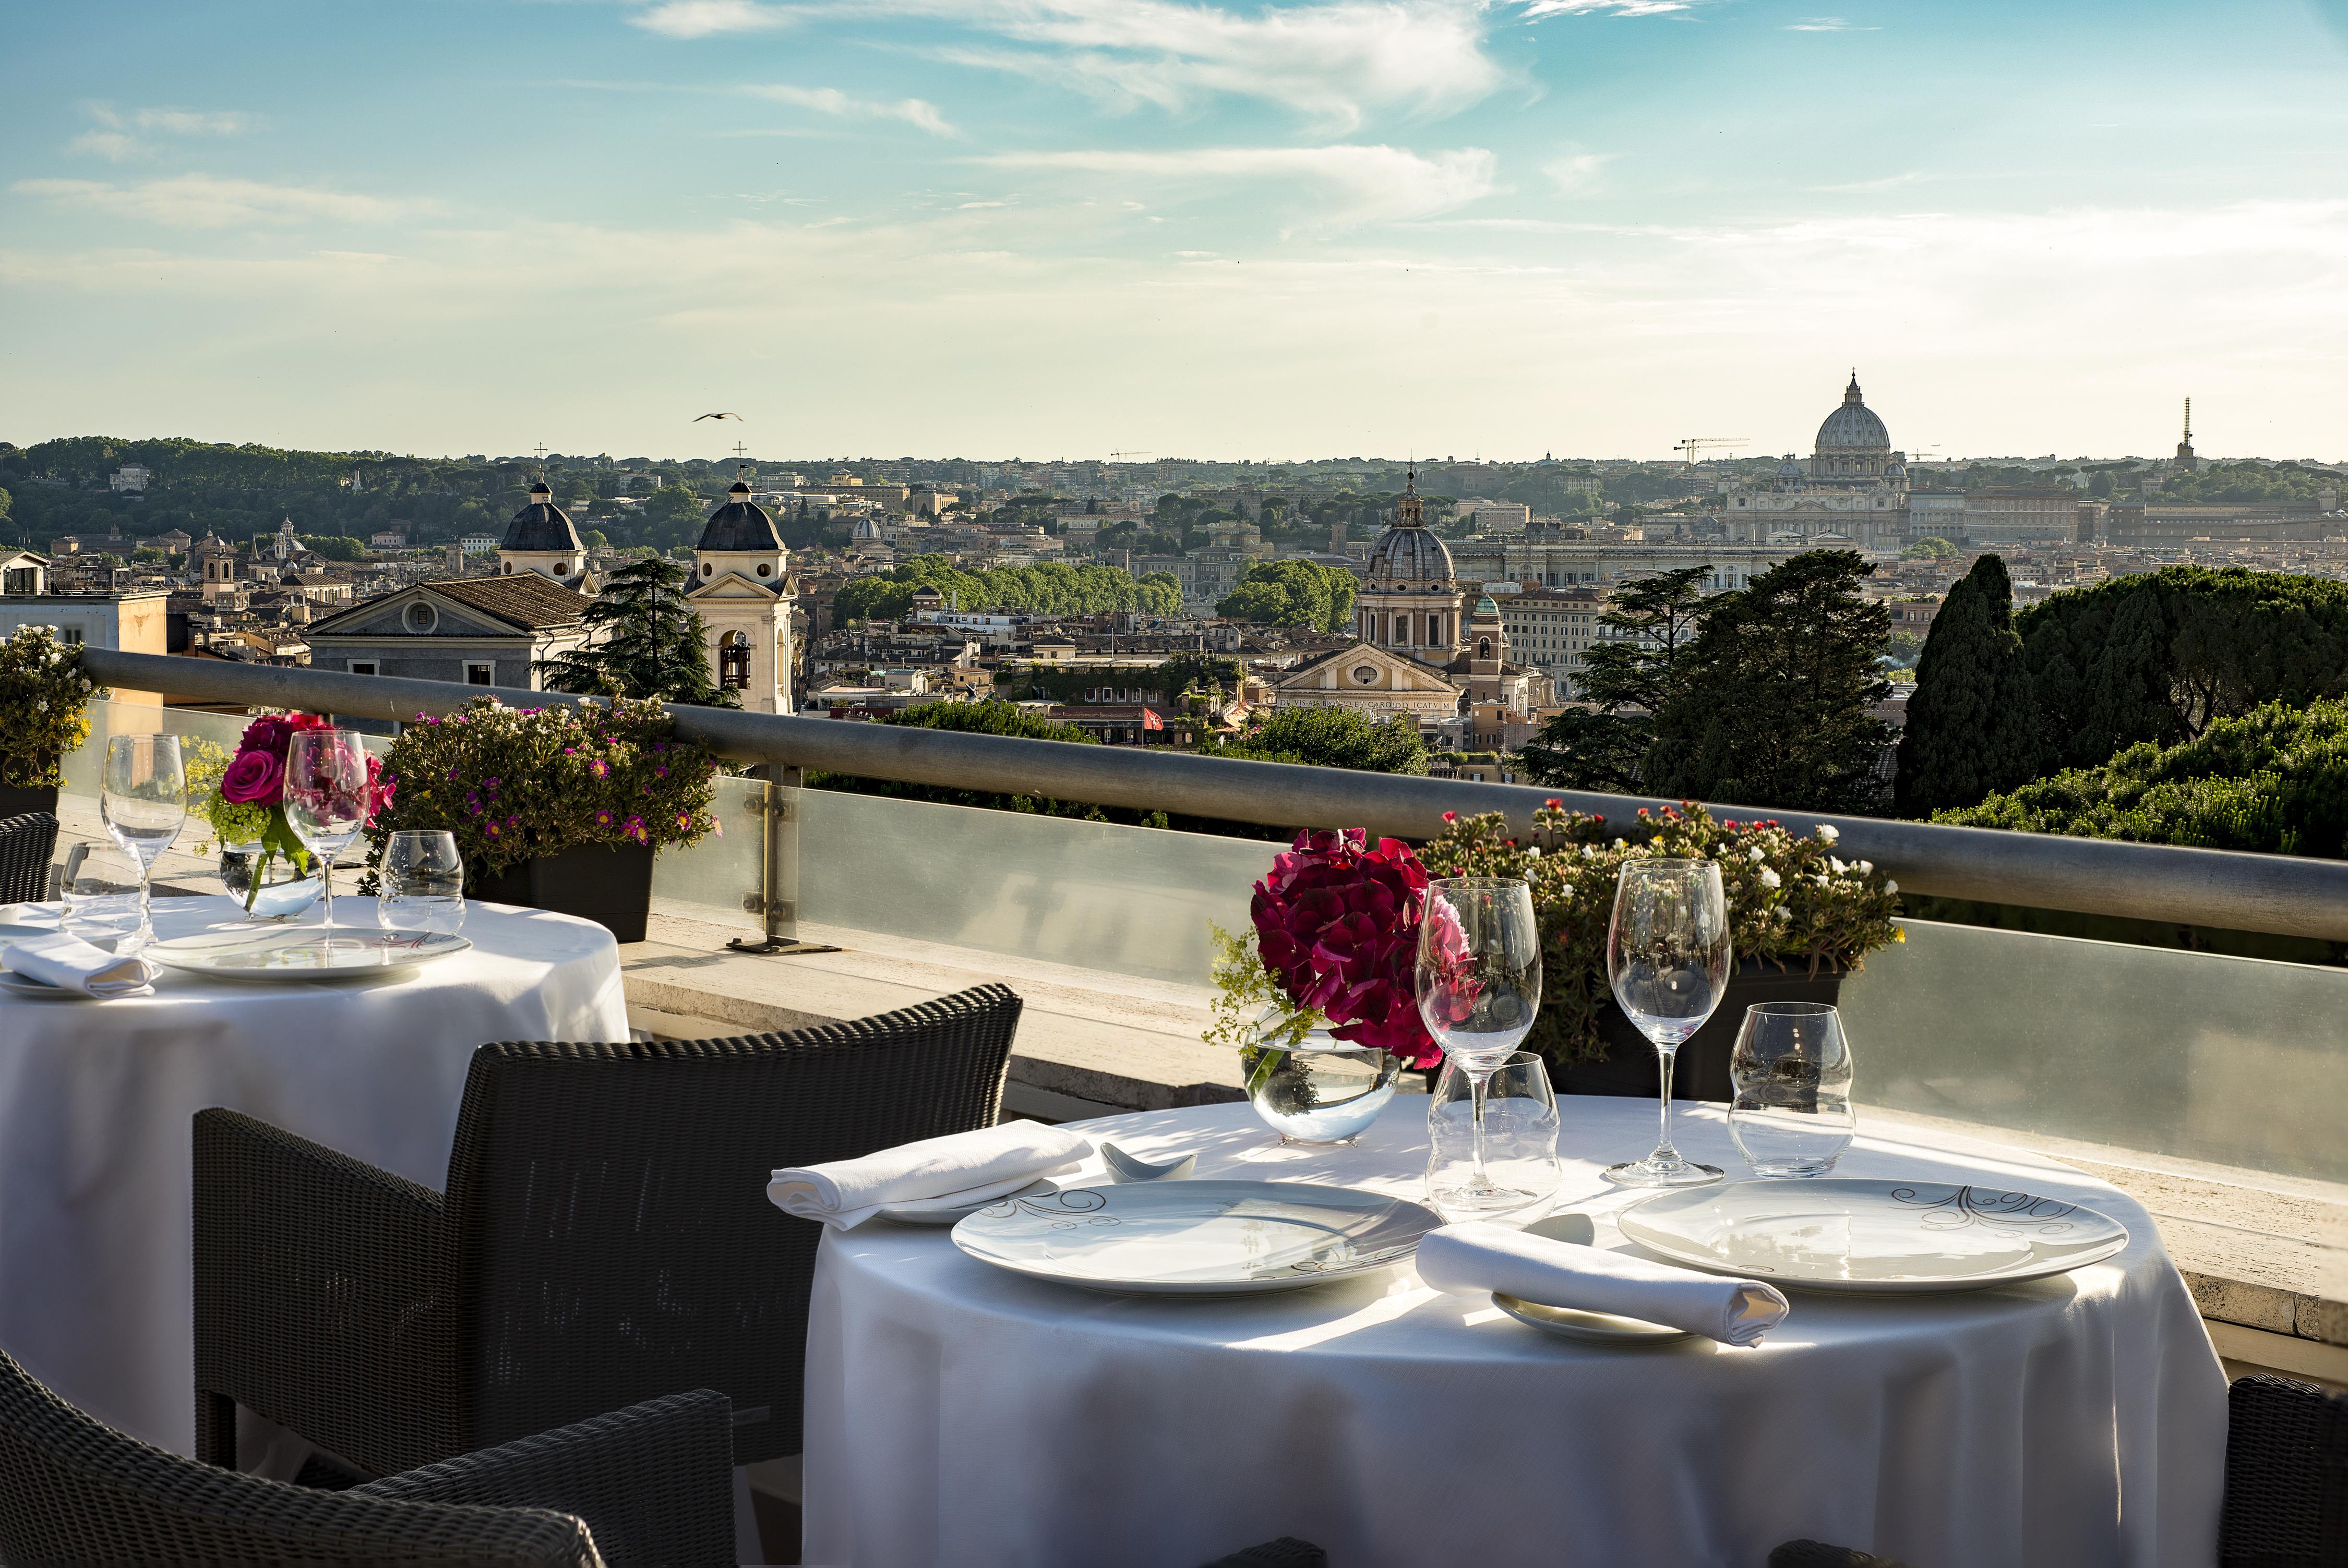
(1853, 490)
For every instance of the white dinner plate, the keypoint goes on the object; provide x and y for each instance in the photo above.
(302, 952)
(1195, 1238)
(1871, 1237)
(1590, 1327)
(27, 986)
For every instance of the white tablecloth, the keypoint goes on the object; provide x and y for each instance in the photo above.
(957, 1414)
(97, 1098)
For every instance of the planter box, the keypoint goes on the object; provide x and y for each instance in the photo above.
(1701, 1069)
(16, 801)
(610, 884)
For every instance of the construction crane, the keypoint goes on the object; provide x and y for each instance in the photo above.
(1692, 450)
(1126, 456)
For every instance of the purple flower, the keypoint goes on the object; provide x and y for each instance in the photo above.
(255, 778)
(1336, 922)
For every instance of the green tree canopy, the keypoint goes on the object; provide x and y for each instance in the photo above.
(1930, 548)
(653, 642)
(1771, 703)
(1293, 593)
(1973, 720)
(1050, 588)
(1626, 680)
(1335, 738)
(335, 547)
(2274, 780)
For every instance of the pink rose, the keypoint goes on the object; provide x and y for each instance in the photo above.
(255, 778)
(1336, 922)
(266, 733)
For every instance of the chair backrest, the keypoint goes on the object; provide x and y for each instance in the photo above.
(74, 1490)
(2286, 1476)
(613, 1239)
(27, 843)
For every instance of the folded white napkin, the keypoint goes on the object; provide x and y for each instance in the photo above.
(1477, 1255)
(67, 960)
(962, 1167)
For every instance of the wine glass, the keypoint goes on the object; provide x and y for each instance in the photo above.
(1667, 957)
(423, 878)
(143, 800)
(1477, 982)
(325, 797)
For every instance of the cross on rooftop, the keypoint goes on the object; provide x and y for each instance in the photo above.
(739, 449)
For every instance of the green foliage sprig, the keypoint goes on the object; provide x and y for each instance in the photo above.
(515, 784)
(1792, 900)
(45, 701)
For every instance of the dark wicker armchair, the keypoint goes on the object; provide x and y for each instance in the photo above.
(605, 1237)
(652, 1484)
(27, 845)
(2286, 1483)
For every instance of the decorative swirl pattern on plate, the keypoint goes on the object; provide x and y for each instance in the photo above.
(1968, 1206)
(1053, 1207)
(1348, 1264)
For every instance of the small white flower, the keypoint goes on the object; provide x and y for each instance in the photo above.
(1838, 867)
(1823, 880)
(1755, 855)
(42, 706)
(1568, 891)
(1621, 843)
(1826, 830)
(84, 682)
(1866, 868)
(1770, 878)
(1589, 852)
(1891, 888)
(1785, 914)
(1533, 853)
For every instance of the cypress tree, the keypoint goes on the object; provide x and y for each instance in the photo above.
(1972, 722)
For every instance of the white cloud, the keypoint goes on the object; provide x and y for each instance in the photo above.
(701, 19)
(1355, 184)
(114, 146)
(115, 143)
(1576, 172)
(1335, 62)
(205, 201)
(1826, 25)
(831, 101)
(1537, 9)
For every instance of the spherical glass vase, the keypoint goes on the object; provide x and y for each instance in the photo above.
(284, 891)
(1324, 1090)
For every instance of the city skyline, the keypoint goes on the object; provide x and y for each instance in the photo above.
(1072, 227)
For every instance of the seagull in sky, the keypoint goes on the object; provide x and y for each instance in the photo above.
(699, 417)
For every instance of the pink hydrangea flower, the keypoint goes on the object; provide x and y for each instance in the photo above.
(1336, 922)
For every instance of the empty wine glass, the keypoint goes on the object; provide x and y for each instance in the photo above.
(1792, 1115)
(423, 883)
(1477, 982)
(326, 797)
(102, 888)
(142, 798)
(1667, 957)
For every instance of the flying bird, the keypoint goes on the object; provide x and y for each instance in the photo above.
(699, 417)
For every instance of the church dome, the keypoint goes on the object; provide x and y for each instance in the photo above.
(1408, 551)
(741, 524)
(542, 526)
(1854, 426)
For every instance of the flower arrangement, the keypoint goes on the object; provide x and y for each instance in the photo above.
(1336, 938)
(243, 796)
(516, 783)
(44, 706)
(1791, 898)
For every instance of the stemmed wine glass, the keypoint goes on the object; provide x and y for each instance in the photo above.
(1478, 982)
(1667, 957)
(143, 801)
(326, 797)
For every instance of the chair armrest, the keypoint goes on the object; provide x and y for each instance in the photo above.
(654, 1482)
(320, 1298)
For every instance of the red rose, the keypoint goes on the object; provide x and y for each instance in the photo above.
(1337, 923)
(255, 778)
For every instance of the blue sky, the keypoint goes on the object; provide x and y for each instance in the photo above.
(1039, 227)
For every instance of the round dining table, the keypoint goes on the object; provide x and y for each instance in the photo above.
(98, 1098)
(957, 1413)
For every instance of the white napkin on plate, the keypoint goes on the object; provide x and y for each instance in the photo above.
(1477, 1255)
(961, 1167)
(67, 961)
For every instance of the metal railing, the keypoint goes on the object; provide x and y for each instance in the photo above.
(2282, 894)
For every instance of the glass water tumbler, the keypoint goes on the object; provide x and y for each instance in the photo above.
(1791, 1069)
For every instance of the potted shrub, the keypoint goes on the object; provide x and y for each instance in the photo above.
(561, 808)
(44, 714)
(1801, 919)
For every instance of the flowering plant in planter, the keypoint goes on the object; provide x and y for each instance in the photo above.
(243, 796)
(1792, 900)
(521, 784)
(1336, 938)
(44, 706)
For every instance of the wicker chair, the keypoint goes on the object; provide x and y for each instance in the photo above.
(605, 1237)
(27, 843)
(2286, 1483)
(1285, 1553)
(650, 1484)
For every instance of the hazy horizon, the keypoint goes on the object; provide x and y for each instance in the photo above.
(1216, 231)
